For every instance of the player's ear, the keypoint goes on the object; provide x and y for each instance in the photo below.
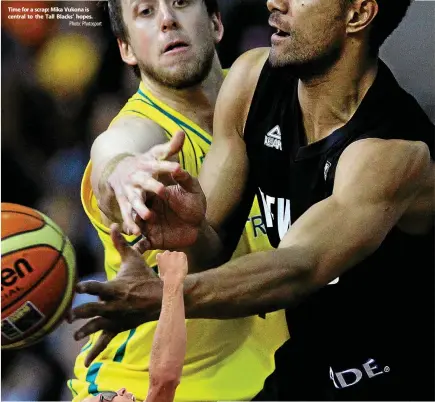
(360, 14)
(127, 54)
(217, 27)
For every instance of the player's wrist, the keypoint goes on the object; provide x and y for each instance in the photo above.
(173, 285)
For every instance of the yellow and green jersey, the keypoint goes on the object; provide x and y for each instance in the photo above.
(225, 359)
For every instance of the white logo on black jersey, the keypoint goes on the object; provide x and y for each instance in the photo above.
(273, 138)
(282, 218)
(352, 376)
(326, 169)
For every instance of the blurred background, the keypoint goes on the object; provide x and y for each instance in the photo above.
(61, 87)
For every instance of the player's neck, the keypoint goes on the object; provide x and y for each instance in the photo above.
(196, 103)
(329, 101)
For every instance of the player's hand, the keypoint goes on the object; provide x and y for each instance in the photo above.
(172, 266)
(176, 217)
(129, 300)
(135, 176)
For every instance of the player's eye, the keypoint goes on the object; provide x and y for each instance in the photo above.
(145, 11)
(180, 3)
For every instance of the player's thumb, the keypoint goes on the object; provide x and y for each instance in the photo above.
(187, 181)
(119, 242)
(170, 148)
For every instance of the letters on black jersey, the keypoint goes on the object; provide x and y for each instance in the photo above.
(276, 213)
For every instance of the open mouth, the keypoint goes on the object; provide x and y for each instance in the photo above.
(281, 33)
(174, 46)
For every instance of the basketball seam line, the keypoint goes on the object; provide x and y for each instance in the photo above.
(41, 218)
(33, 246)
(24, 232)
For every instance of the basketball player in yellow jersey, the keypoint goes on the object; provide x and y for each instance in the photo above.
(171, 43)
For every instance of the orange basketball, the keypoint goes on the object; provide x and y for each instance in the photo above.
(38, 275)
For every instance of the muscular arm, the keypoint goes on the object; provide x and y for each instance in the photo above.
(128, 138)
(169, 346)
(377, 183)
(224, 174)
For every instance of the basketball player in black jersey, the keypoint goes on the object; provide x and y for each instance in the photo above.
(341, 159)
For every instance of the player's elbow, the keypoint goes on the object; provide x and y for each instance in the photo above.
(419, 164)
(422, 153)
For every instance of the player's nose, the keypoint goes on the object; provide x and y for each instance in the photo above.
(168, 19)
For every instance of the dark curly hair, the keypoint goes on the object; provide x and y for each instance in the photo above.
(119, 29)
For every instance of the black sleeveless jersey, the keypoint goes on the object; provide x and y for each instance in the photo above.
(369, 334)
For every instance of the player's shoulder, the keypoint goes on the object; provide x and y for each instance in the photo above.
(242, 80)
(135, 123)
(248, 66)
(371, 149)
(135, 134)
(389, 164)
(254, 56)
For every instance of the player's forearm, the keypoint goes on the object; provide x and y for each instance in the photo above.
(169, 345)
(253, 284)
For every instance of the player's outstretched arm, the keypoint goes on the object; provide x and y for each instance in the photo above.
(378, 184)
(169, 345)
(124, 166)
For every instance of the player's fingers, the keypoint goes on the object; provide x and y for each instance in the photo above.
(88, 310)
(145, 185)
(136, 198)
(68, 317)
(126, 212)
(120, 243)
(142, 245)
(102, 289)
(155, 167)
(187, 182)
(161, 176)
(102, 342)
(94, 325)
(165, 151)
